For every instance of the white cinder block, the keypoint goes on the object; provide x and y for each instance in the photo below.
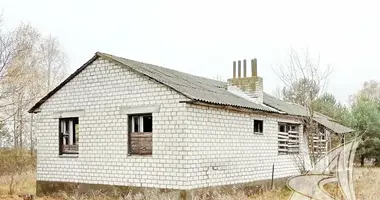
(193, 146)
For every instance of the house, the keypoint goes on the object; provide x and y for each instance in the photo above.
(121, 122)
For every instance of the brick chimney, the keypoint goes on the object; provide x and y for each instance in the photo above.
(251, 86)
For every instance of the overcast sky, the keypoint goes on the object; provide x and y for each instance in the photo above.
(203, 38)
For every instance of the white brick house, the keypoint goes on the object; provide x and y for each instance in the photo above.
(120, 122)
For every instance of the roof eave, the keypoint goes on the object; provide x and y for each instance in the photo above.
(232, 107)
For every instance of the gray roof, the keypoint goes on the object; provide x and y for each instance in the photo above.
(334, 126)
(296, 109)
(194, 87)
(200, 89)
(289, 108)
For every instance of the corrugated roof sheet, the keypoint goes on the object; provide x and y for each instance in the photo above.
(289, 108)
(202, 89)
(334, 126)
(296, 109)
(194, 87)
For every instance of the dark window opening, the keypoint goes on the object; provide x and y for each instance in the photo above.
(258, 126)
(321, 128)
(140, 134)
(293, 127)
(323, 137)
(136, 124)
(282, 128)
(148, 123)
(68, 135)
(322, 132)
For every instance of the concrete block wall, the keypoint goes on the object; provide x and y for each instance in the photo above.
(101, 90)
(224, 149)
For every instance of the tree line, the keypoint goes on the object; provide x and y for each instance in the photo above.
(305, 82)
(31, 64)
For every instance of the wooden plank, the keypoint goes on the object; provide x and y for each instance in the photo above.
(70, 149)
(292, 142)
(293, 132)
(141, 143)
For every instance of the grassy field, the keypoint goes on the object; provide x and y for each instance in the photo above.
(367, 181)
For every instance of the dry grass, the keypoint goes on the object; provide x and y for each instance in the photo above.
(24, 183)
(367, 181)
(366, 184)
(280, 193)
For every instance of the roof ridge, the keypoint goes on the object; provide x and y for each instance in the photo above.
(216, 91)
(111, 55)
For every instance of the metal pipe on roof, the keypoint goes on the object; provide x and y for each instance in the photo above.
(244, 68)
(254, 67)
(234, 69)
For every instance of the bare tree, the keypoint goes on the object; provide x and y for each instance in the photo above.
(4, 135)
(6, 48)
(53, 60)
(18, 78)
(277, 92)
(301, 91)
(37, 64)
(304, 80)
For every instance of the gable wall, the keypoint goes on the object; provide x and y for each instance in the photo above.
(224, 150)
(101, 89)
